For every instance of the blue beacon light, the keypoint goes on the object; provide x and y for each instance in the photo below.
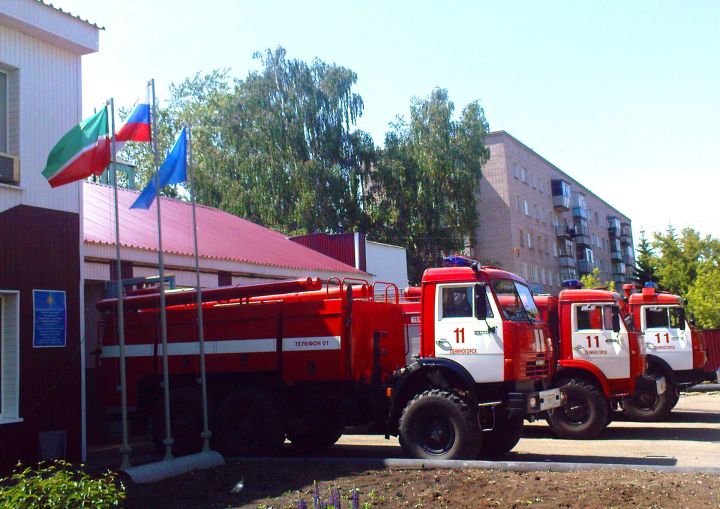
(572, 284)
(459, 261)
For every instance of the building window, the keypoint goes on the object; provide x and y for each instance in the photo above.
(526, 207)
(555, 251)
(517, 201)
(224, 278)
(529, 240)
(9, 356)
(515, 172)
(522, 238)
(4, 112)
(524, 175)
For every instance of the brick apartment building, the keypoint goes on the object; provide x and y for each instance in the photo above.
(539, 222)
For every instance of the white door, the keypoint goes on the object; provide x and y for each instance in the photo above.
(665, 338)
(460, 336)
(595, 341)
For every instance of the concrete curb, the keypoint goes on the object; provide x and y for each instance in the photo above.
(514, 466)
(704, 388)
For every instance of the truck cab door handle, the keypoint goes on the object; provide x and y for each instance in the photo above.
(612, 340)
(578, 348)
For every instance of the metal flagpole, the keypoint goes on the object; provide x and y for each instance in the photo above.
(168, 442)
(125, 447)
(201, 334)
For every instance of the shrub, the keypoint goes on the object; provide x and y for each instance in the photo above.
(59, 484)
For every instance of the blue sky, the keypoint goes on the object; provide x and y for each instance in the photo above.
(623, 96)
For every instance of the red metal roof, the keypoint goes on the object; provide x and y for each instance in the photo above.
(220, 235)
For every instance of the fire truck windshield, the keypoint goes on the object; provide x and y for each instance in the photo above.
(663, 317)
(515, 300)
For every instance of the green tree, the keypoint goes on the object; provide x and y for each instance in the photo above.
(593, 280)
(646, 262)
(425, 184)
(277, 147)
(703, 296)
(680, 257)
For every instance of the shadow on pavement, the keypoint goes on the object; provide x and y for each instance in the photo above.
(595, 460)
(668, 432)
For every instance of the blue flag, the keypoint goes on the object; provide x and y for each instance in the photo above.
(172, 171)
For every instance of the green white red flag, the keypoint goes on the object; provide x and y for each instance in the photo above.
(83, 151)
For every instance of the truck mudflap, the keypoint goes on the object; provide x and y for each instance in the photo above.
(521, 404)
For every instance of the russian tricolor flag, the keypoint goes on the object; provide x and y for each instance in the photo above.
(137, 126)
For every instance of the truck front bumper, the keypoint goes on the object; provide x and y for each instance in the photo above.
(525, 403)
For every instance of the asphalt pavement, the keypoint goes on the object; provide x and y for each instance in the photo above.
(690, 438)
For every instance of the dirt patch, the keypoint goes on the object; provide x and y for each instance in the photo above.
(280, 486)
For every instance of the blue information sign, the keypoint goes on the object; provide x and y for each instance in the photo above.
(49, 318)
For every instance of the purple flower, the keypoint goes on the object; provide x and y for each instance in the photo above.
(355, 499)
(302, 504)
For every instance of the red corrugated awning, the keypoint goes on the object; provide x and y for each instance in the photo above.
(220, 235)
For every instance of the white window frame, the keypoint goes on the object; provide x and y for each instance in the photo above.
(11, 367)
(7, 112)
(526, 205)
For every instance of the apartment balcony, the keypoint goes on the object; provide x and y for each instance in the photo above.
(561, 195)
(619, 269)
(613, 226)
(567, 262)
(628, 260)
(564, 232)
(568, 274)
(616, 256)
(585, 266)
(582, 239)
(625, 234)
(580, 212)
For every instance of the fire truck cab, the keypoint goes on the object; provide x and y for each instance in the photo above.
(675, 351)
(599, 358)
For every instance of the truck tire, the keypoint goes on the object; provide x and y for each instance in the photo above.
(584, 416)
(185, 422)
(437, 424)
(501, 440)
(249, 423)
(646, 405)
(675, 399)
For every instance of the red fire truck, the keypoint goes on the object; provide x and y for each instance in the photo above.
(301, 360)
(599, 358)
(675, 351)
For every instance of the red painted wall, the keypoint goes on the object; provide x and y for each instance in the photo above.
(712, 344)
(339, 246)
(40, 249)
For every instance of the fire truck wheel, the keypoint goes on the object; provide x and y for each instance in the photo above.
(185, 422)
(249, 423)
(675, 398)
(501, 440)
(646, 405)
(584, 416)
(438, 424)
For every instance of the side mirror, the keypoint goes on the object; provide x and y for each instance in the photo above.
(681, 319)
(480, 302)
(616, 319)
